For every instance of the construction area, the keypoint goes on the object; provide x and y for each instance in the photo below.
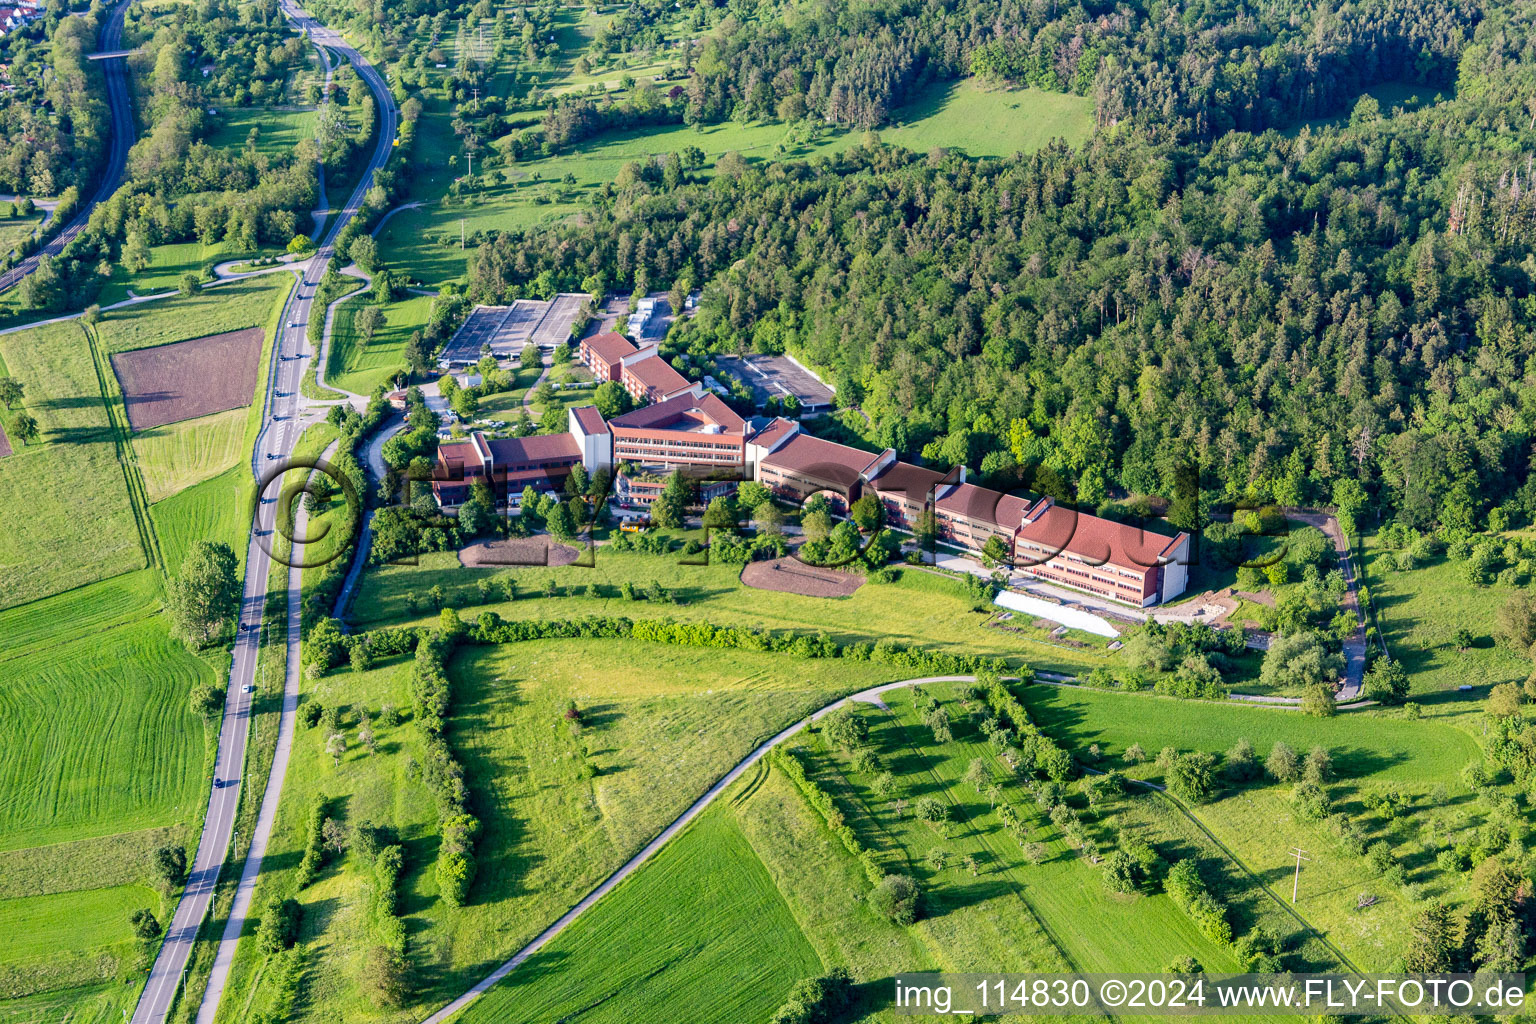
(505, 330)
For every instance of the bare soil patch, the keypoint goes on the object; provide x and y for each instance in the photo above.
(5, 443)
(792, 576)
(510, 552)
(171, 383)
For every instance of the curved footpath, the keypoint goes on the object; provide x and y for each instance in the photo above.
(110, 38)
(869, 696)
(279, 433)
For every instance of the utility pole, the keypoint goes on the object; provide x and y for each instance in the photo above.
(1296, 882)
(461, 234)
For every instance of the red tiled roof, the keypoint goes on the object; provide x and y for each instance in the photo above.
(980, 503)
(776, 430)
(610, 346)
(513, 451)
(654, 373)
(1099, 540)
(685, 412)
(590, 420)
(902, 479)
(820, 459)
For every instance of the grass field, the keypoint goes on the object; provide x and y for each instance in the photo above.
(178, 455)
(703, 926)
(228, 307)
(217, 509)
(989, 120)
(127, 755)
(1419, 612)
(167, 264)
(1376, 744)
(974, 919)
(549, 834)
(920, 608)
(424, 243)
(277, 131)
(1370, 751)
(74, 922)
(53, 363)
(359, 367)
(15, 230)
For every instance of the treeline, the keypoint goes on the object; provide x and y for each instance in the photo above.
(55, 126)
(1308, 320)
(1200, 72)
(433, 696)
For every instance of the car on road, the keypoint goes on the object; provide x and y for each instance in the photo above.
(272, 455)
(248, 688)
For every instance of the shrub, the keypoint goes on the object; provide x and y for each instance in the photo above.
(898, 899)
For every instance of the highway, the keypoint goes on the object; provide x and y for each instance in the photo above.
(109, 38)
(280, 432)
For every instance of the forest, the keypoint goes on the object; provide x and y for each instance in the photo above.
(53, 115)
(1334, 314)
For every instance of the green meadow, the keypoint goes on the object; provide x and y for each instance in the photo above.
(552, 828)
(920, 608)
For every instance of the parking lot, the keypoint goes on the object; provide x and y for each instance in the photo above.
(508, 328)
(777, 376)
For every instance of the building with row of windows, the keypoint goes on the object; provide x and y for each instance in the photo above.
(702, 436)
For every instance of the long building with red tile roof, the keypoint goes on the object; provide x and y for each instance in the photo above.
(701, 435)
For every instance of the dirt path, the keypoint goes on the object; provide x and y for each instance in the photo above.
(869, 696)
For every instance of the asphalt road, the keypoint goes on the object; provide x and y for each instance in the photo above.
(110, 38)
(280, 432)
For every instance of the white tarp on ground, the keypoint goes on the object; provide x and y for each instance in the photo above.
(1071, 617)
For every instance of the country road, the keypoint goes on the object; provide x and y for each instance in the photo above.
(108, 39)
(279, 433)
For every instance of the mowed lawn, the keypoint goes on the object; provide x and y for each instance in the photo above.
(175, 456)
(360, 366)
(656, 740)
(1419, 612)
(920, 609)
(65, 516)
(700, 932)
(983, 119)
(96, 728)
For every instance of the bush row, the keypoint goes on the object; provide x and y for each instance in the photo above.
(432, 695)
(314, 840)
(822, 800)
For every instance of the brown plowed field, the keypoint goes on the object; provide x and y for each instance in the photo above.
(792, 576)
(171, 383)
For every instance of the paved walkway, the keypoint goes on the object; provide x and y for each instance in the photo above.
(869, 696)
